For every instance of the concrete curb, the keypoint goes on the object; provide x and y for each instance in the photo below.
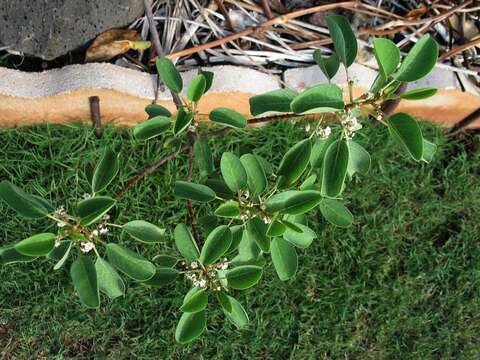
(61, 95)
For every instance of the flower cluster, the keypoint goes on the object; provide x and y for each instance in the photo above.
(205, 276)
(350, 124)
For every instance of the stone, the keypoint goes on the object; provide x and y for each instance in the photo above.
(51, 28)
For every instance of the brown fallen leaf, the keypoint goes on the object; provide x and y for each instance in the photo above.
(114, 42)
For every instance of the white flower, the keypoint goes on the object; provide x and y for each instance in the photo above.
(57, 243)
(86, 247)
(324, 133)
(95, 233)
(106, 217)
(61, 224)
(224, 266)
(86, 196)
(202, 283)
(307, 127)
(194, 265)
(104, 230)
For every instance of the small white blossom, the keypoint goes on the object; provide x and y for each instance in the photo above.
(95, 233)
(106, 217)
(61, 224)
(307, 128)
(86, 247)
(57, 243)
(218, 288)
(323, 133)
(104, 230)
(224, 266)
(86, 196)
(202, 283)
(60, 211)
(191, 128)
(194, 265)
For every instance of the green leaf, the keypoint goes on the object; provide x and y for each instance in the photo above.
(244, 277)
(191, 191)
(420, 60)
(256, 178)
(419, 94)
(190, 327)
(36, 245)
(84, 279)
(294, 163)
(196, 300)
(321, 98)
(237, 233)
(165, 260)
(335, 168)
(343, 38)
(233, 172)
(8, 255)
(163, 276)
(387, 55)
(151, 128)
(248, 249)
(309, 183)
(169, 75)
(257, 231)
(154, 110)
(25, 205)
(276, 228)
(272, 101)
(224, 301)
(60, 253)
(336, 213)
(220, 187)
(144, 231)
(91, 210)
(197, 87)
(208, 75)
(319, 149)
(359, 159)
(203, 156)
(228, 117)
(228, 209)
(183, 120)
(328, 65)
(185, 242)
(406, 130)
(237, 315)
(105, 171)
(293, 202)
(217, 243)
(109, 282)
(429, 150)
(302, 239)
(130, 263)
(284, 258)
(267, 167)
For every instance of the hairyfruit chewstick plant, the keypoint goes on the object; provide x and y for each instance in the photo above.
(260, 215)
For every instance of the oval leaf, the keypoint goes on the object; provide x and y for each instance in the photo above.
(196, 300)
(243, 277)
(92, 210)
(130, 263)
(419, 94)
(191, 191)
(203, 156)
(233, 172)
(256, 178)
(217, 243)
(8, 255)
(302, 239)
(294, 202)
(335, 168)
(144, 231)
(109, 282)
(343, 38)
(420, 60)
(105, 171)
(272, 101)
(228, 209)
(326, 97)
(84, 279)
(169, 75)
(154, 110)
(152, 128)
(26, 205)
(257, 231)
(163, 276)
(183, 120)
(228, 117)
(185, 243)
(359, 159)
(336, 213)
(294, 163)
(237, 315)
(197, 87)
(36, 245)
(284, 258)
(406, 130)
(60, 253)
(328, 65)
(190, 327)
(387, 55)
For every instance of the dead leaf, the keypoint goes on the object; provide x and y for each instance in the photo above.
(114, 42)
(416, 13)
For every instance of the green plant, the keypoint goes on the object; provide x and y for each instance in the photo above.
(258, 211)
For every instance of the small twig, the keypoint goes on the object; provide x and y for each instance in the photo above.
(95, 115)
(263, 26)
(266, 9)
(459, 49)
(463, 124)
(223, 10)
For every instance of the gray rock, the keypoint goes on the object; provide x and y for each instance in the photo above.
(50, 28)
